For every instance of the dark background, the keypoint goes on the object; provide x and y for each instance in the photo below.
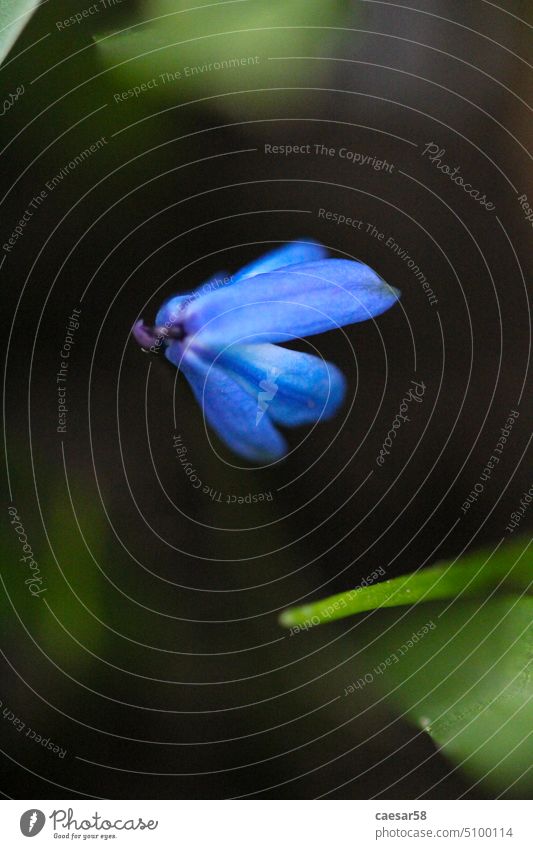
(157, 660)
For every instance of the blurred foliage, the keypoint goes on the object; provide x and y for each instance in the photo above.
(175, 46)
(14, 15)
(467, 683)
(67, 555)
(459, 671)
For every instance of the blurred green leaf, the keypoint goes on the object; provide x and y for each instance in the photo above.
(14, 15)
(63, 620)
(185, 51)
(462, 674)
(75, 596)
(460, 670)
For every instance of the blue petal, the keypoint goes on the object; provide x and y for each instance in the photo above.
(295, 301)
(291, 254)
(171, 308)
(291, 387)
(230, 410)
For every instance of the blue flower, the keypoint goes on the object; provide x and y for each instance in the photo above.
(223, 338)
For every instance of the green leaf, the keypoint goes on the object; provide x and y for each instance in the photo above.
(506, 569)
(182, 51)
(459, 670)
(67, 611)
(14, 15)
(462, 674)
